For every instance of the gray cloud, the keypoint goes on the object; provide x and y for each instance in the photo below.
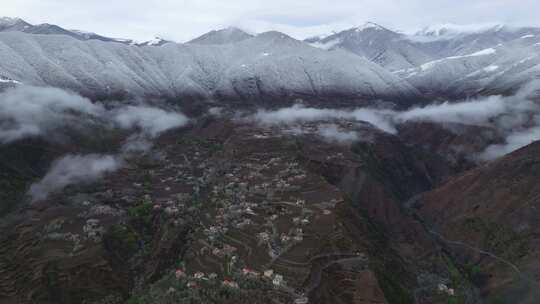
(182, 20)
(71, 170)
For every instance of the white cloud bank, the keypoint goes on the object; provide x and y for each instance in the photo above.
(516, 118)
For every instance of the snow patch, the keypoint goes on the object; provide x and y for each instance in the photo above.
(491, 68)
(431, 64)
(5, 80)
(489, 51)
(527, 36)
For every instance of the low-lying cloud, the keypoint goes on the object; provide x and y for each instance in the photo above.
(27, 111)
(515, 118)
(151, 121)
(332, 133)
(33, 111)
(299, 113)
(514, 141)
(71, 170)
(476, 112)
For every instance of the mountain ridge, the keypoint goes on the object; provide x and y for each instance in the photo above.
(435, 61)
(231, 71)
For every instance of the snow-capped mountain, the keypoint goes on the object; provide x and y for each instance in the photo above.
(15, 24)
(399, 51)
(376, 43)
(271, 64)
(223, 36)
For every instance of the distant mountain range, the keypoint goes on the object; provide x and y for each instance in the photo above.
(365, 63)
(19, 25)
(447, 60)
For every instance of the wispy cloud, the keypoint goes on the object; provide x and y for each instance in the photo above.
(71, 170)
(151, 121)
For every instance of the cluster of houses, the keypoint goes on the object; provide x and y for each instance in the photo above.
(194, 279)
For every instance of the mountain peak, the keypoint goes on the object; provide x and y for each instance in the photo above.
(9, 21)
(369, 26)
(276, 36)
(222, 36)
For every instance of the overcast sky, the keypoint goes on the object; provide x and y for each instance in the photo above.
(181, 20)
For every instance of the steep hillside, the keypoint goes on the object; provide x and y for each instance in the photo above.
(488, 218)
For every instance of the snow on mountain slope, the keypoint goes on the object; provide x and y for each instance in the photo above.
(499, 69)
(399, 52)
(365, 62)
(441, 73)
(270, 64)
